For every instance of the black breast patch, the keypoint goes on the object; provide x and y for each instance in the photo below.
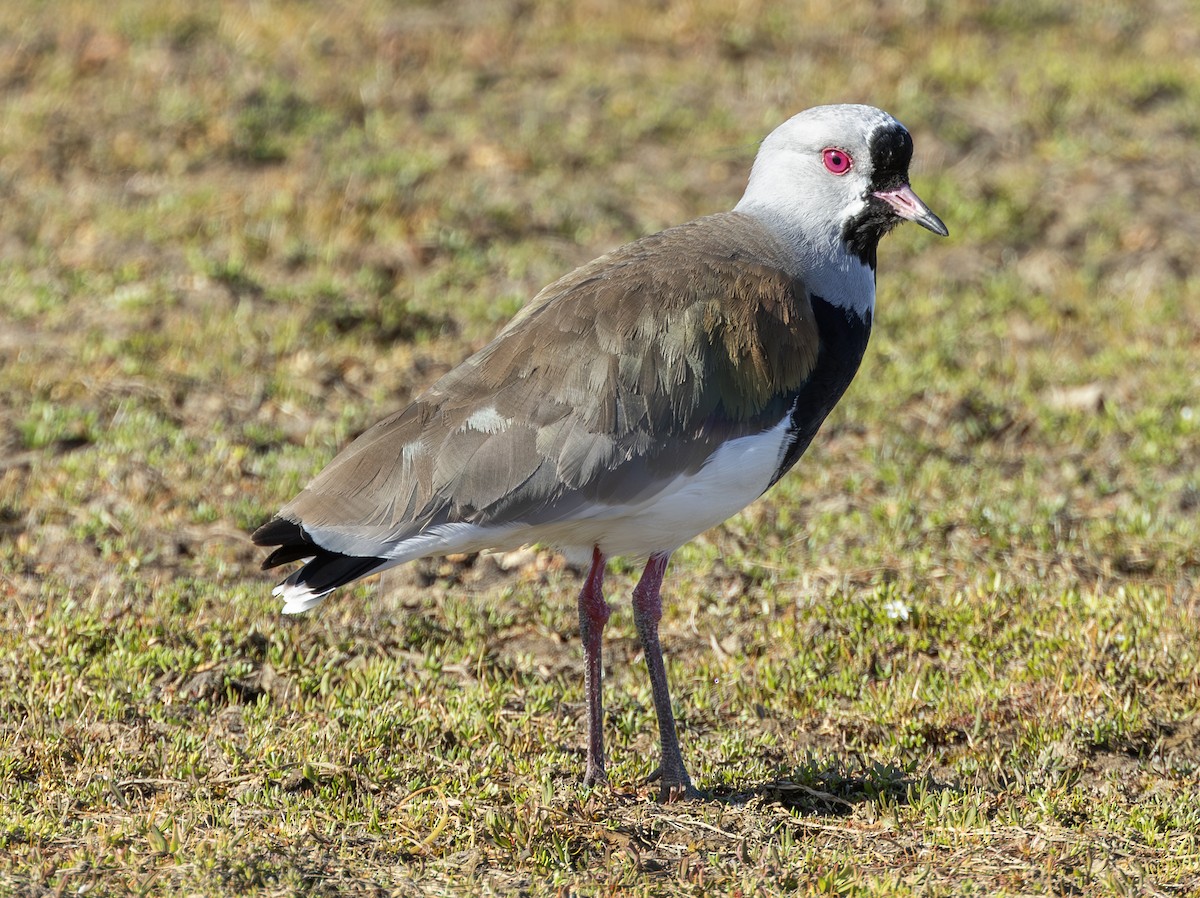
(843, 335)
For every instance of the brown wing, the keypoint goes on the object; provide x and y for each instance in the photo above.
(620, 376)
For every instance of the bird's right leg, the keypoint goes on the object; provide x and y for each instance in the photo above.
(593, 615)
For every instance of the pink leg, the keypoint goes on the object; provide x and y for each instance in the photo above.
(593, 615)
(647, 612)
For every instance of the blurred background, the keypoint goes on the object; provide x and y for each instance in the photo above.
(233, 235)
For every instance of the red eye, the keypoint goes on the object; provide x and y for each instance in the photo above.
(837, 161)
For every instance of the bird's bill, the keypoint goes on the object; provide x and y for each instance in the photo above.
(911, 207)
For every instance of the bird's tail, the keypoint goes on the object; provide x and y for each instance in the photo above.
(323, 571)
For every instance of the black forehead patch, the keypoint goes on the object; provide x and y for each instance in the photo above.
(891, 152)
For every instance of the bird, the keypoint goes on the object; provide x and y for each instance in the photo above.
(634, 403)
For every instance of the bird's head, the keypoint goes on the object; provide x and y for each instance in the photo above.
(836, 175)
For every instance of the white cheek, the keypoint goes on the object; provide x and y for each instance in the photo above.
(854, 207)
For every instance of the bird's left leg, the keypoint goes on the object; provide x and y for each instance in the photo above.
(647, 612)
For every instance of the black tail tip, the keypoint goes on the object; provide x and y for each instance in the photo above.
(325, 571)
(293, 543)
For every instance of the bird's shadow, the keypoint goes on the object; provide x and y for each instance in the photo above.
(832, 787)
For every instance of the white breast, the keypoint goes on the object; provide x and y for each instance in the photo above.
(733, 477)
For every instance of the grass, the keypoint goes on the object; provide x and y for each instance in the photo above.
(955, 652)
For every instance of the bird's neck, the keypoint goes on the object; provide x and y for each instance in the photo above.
(820, 257)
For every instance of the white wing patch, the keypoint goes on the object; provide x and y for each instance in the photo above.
(410, 451)
(487, 420)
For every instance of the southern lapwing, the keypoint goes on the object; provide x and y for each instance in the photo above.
(636, 402)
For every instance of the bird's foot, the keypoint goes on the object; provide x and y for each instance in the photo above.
(676, 787)
(595, 775)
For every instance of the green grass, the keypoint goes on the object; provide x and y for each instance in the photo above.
(957, 651)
